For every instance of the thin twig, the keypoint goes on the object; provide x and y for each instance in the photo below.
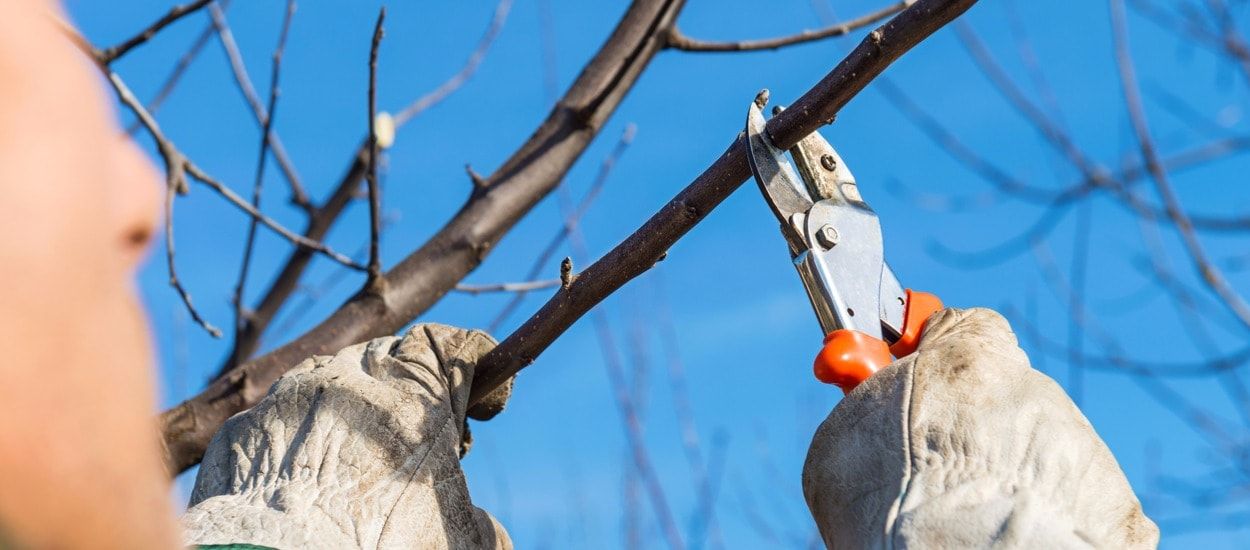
(197, 173)
(627, 405)
(260, 113)
(570, 222)
(1029, 58)
(703, 520)
(650, 242)
(1198, 419)
(1208, 271)
(525, 286)
(179, 167)
(1076, 338)
(679, 41)
(177, 72)
(108, 55)
(323, 217)
(1097, 178)
(375, 198)
(175, 184)
(240, 316)
(171, 190)
(432, 270)
(466, 72)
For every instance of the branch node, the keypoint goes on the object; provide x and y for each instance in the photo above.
(479, 182)
(875, 37)
(761, 98)
(566, 273)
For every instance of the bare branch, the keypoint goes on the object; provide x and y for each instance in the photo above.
(175, 183)
(633, 433)
(422, 278)
(521, 287)
(299, 240)
(108, 55)
(1208, 271)
(240, 316)
(322, 219)
(238, 69)
(703, 519)
(679, 41)
(171, 189)
(570, 222)
(470, 67)
(176, 73)
(182, 167)
(642, 249)
(629, 408)
(375, 197)
(1076, 334)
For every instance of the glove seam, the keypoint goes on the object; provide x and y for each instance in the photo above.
(892, 519)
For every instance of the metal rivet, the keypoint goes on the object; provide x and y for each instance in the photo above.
(829, 162)
(827, 236)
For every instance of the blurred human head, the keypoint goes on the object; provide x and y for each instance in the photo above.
(79, 461)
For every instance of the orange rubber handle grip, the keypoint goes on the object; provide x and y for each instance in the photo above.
(920, 305)
(850, 356)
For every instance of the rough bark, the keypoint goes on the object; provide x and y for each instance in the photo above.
(427, 274)
(651, 242)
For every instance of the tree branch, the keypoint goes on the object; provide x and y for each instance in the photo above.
(240, 313)
(470, 67)
(1208, 271)
(375, 198)
(521, 287)
(243, 82)
(108, 55)
(679, 41)
(647, 245)
(427, 274)
(183, 167)
(176, 73)
(570, 223)
(322, 218)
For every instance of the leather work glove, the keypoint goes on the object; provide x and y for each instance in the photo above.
(963, 445)
(358, 450)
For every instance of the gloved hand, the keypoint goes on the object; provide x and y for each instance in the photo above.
(963, 445)
(358, 450)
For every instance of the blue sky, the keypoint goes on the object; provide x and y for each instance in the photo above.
(746, 335)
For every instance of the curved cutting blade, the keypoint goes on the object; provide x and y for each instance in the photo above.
(785, 194)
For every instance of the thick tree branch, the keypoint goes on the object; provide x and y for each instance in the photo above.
(322, 218)
(426, 275)
(570, 224)
(650, 243)
(679, 41)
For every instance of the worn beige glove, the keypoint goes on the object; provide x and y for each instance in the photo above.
(358, 450)
(964, 445)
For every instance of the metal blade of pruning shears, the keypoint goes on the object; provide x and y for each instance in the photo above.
(835, 243)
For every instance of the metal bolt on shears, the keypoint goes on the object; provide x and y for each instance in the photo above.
(835, 243)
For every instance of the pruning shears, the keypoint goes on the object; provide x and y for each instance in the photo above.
(836, 246)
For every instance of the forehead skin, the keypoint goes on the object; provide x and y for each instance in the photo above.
(79, 461)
